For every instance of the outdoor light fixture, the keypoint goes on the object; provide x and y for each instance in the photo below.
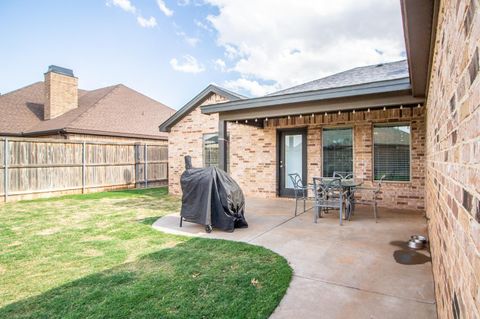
(266, 119)
(326, 114)
(353, 111)
(300, 115)
(236, 122)
(339, 112)
(313, 115)
(246, 121)
(368, 110)
(256, 120)
(289, 117)
(418, 105)
(401, 107)
(384, 108)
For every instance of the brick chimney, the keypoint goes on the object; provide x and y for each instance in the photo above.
(61, 92)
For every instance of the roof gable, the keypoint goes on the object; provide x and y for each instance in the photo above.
(196, 101)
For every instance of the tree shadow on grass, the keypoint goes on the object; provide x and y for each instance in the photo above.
(199, 278)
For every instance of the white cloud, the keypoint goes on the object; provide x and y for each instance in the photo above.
(251, 86)
(146, 23)
(192, 41)
(189, 64)
(291, 43)
(220, 65)
(163, 7)
(183, 3)
(202, 25)
(125, 5)
(231, 52)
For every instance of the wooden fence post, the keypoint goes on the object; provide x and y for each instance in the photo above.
(84, 166)
(5, 169)
(145, 165)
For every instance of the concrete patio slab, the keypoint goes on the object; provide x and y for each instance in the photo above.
(339, 271)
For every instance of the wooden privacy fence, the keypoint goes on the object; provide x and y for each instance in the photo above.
(36, 166)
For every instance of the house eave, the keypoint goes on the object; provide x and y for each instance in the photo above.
(419, 20)
(93, 132)
(400, 86)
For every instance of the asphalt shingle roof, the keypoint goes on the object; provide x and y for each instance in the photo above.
(115, 109)
(360, 75)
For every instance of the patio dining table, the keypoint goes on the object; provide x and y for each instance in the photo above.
(347, 184)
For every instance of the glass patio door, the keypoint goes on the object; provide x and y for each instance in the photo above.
(292, 159)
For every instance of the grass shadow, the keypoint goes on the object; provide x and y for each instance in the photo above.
(199, 278)
(149, 220)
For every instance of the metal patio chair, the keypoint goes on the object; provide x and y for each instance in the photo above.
(372, 191)
(343, 175)
(328, 194)
(300, 190)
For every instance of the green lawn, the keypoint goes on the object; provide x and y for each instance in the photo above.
(97, 256)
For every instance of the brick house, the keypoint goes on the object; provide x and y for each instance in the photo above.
(418, 121)
(336, 134)
(57, 108)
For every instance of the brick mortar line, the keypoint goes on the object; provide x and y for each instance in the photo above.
(364, 290)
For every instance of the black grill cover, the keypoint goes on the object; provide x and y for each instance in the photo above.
(212, 197)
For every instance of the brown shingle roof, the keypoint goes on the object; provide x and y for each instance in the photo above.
(114, 110)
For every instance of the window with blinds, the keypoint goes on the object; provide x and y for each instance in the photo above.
(391, 152)
(210, 150)
(337, 150)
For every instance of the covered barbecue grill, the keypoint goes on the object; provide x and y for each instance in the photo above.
(211, 198)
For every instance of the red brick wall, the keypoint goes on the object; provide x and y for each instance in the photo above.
(186, 138)
(253, 159)
(453, 160)
(408, 195)
(253, 150)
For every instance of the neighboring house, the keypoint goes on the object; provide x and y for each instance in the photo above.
(56, 108)
(419, 124)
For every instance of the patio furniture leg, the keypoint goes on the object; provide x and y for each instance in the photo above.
(375, 211)
(181, 220)
(352, 204)
(315, 214)
(296, 204)
(348, 210)
(304, 202)
(341, 215)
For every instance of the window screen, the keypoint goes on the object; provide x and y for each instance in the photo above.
(391, 152)
(337, 151)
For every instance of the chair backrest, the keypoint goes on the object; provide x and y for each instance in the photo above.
(320, 190)
(296, 181)
(381, 181)
(323, 188)
(343, 175)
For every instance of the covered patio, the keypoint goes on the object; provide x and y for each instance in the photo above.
(339, 272)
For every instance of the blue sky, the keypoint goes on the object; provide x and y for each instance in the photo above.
(171, 50)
